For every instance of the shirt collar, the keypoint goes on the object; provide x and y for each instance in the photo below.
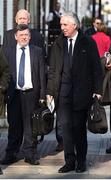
(74, 37)
(19, 47)
(95, 28)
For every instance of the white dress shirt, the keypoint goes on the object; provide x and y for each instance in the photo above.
(28, 78)
(73, 41)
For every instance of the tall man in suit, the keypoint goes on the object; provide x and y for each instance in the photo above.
(25, 90)
(74, 77)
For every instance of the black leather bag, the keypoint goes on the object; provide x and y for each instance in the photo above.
(42, 121)
(97, 120)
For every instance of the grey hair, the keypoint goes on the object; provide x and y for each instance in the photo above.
(73, 18)
(22, 10)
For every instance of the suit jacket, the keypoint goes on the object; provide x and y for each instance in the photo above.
(90, 31)
(87, 77)
(37, 71)
(4, 72)
(4, 76)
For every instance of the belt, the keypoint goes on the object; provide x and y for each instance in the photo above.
(23, 91)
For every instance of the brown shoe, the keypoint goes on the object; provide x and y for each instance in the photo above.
(59, 148)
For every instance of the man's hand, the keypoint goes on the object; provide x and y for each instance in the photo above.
(49, 98)
(98, 95)
(108, 67)
(50, 102)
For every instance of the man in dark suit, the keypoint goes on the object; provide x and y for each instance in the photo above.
(92, 30)
(26, 89)
(23, 17)
(74, 77)
(54, 29)
(4, 80)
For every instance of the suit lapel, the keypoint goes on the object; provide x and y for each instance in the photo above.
(13, 61)
(31, 57)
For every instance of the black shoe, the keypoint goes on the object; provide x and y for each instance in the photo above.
(32, 161)
(66, 168)
(81, 167)
(108, 151)
(9, 160)
(1, 171)
(59, 148)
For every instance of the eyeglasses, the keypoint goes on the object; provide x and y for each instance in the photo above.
(98, 23)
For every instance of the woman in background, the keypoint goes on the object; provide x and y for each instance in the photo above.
(104, 47)
(102, 40)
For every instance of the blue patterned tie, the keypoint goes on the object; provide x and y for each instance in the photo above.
(21, 69)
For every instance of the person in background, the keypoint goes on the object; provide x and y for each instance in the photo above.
(104, 46)
(4, 81)
(74, 78)
(102, 40)
(107, 90)
(23, 17)
(26, 88)
(93, 29)
(54, 29)
(53, 21)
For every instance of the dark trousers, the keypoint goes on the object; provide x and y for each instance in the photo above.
(59, 128)
(110, 117)
(19, 118)
(74, 132)
(15, 121)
